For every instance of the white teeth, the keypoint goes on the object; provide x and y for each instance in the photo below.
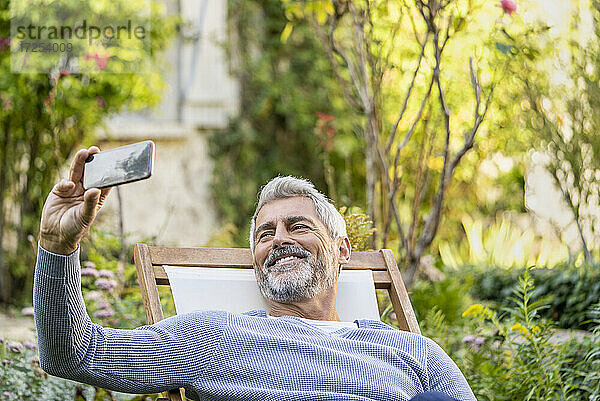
(286, 259)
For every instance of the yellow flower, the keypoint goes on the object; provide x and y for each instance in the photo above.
(473, 310)
(520, 327)
(535, 329)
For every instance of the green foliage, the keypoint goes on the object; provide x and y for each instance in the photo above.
(592, 380)
(570, 291)
(359, 228)
(514, 359)
(20, 373)
(388, 56)
(501, 244)
(113, 299)
(292, 120)
(514, 355)
(22, 379)
(43, 118)
(224, 238)
(111, 291)
(448, 296)
(562, 116)
(291, 104)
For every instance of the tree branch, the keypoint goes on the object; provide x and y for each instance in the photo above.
(359, 33)
(412, 128)
(407, 97)
(351, 69)
(350, 98)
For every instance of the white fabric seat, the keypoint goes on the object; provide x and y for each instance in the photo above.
(235, 290)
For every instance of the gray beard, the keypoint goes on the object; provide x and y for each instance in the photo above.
(302, 281)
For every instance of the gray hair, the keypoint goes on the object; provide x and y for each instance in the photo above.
(288, 187)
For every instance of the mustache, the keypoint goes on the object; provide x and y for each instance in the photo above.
(290, 250)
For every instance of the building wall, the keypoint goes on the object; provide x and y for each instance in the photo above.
(174, 207)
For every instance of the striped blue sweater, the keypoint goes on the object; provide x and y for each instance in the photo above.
(217, 355)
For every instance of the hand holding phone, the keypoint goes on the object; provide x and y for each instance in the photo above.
(72, 205)
(119, 166)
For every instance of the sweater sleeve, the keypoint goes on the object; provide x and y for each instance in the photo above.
(169, 354)
(445, 376)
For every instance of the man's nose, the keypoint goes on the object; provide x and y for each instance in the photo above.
(282, 237)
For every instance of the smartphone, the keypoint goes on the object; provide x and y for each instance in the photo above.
(119, 166)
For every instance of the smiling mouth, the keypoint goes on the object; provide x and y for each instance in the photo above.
(285, 263)
(286, 260)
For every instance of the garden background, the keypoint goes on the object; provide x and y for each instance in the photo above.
(462, 134)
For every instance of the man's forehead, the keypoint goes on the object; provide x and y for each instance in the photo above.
(283, 208)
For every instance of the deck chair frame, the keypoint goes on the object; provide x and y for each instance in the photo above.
(149, 261)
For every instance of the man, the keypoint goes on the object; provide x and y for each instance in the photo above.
(300, 351)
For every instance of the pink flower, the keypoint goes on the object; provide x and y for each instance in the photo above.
(106, 273)
(103, 304)
(100, 102)
(15, 347)
(29, 345)
(476, 341)
(90, 265)
(86, 271)
(509, 6)
(104, 313)
(4, 42)
(468, 339)
(94, 296)
(105, 284)
(325, 117)
(101, 60)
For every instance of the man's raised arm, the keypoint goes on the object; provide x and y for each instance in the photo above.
(149, 359)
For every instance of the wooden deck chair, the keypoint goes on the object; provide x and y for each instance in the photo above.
(150, 262)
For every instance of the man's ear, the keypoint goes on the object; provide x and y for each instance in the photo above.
(345, 250)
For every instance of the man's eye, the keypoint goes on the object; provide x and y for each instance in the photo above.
(299, 227)
(264, 234)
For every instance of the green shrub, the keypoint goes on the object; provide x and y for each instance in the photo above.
(113, 296)
(449, 296)
(591, 383)
(113, 299)
(22, 379)
(513, 358)
(359, 228)
(501, 243)
(572, 290)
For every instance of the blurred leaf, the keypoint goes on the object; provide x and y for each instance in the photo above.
(287, 31)
(504, 48)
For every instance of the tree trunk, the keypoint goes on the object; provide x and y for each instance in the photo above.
(5, 287)
(587, 255)
(123, 253)
(371, 173)
(412, 266)
(370, 180)
(574, 209)
(23, 285)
